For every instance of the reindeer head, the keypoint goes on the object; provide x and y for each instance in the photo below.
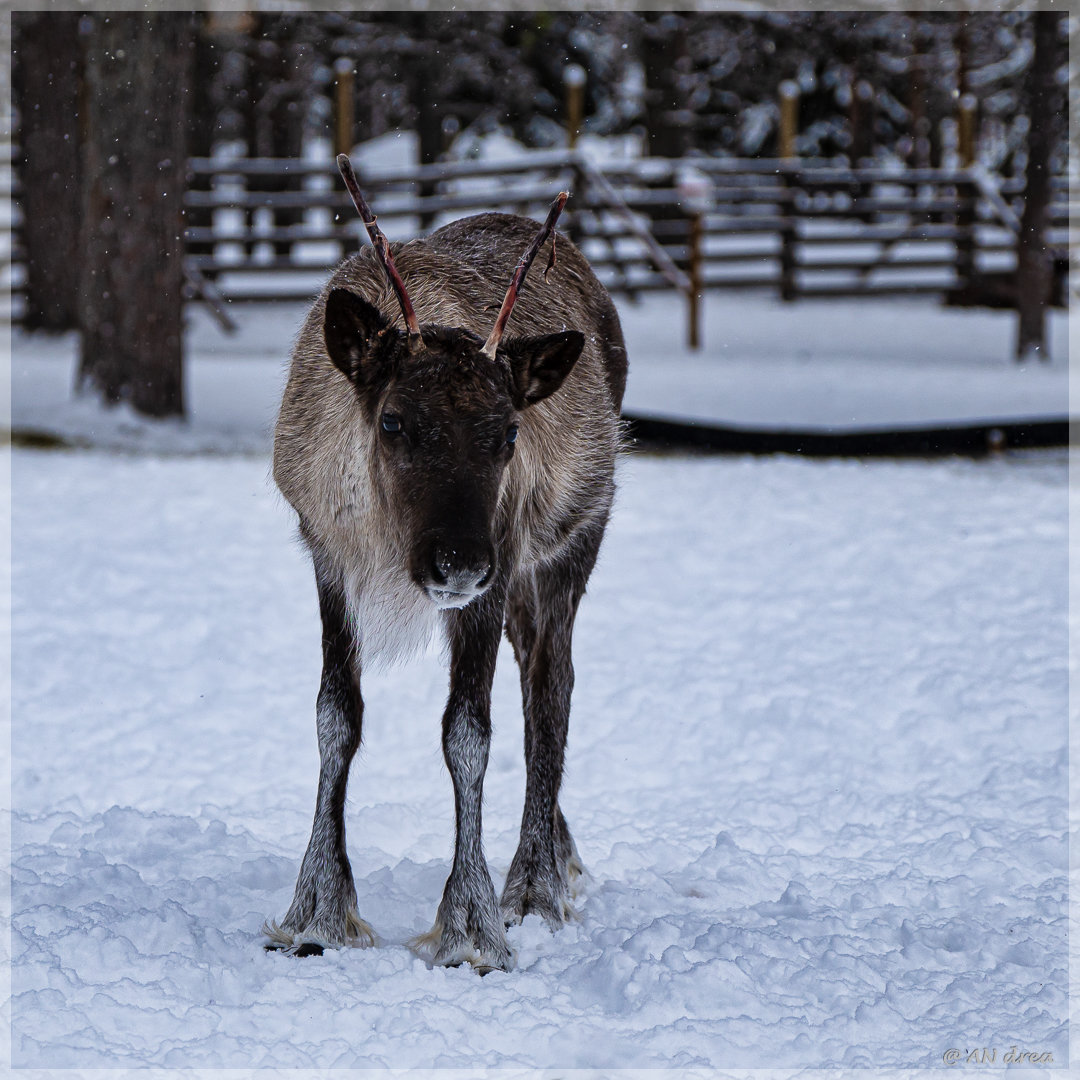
(444, 405)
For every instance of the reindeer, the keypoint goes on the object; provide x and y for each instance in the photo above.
(446, 477)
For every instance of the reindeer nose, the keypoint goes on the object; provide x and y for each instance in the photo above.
(466, 570)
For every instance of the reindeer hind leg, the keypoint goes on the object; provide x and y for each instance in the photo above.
(540, 626)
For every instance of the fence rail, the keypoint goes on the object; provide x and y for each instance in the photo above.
(270, 229)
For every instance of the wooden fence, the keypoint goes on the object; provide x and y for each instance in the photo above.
(802, 229)
(270, 229)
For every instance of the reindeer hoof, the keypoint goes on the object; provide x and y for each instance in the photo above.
(555, 913)
(443, 949)
(539, 885)
(318, 936)
(533, 892)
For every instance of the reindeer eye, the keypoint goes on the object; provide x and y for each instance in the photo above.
(511, 435)
(391, 423)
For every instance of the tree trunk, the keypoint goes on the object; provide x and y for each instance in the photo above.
(428, 113)
(1033, 264)
(666, 59)
(138, 75)
(275, 111)
(47, 75)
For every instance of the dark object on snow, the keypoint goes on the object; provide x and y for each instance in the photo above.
(966, 440)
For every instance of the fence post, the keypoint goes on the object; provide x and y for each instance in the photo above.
(862, 122)
(919, 157)
(574, 86)
(967, 114)
(581, 199)
(966, 194)
(789, 117)
(789, 123)
(693, 299)
(788, 236)
(694, 191)
(199, 217)
(344, 108)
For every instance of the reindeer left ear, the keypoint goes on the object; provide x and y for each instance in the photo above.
(538, 365)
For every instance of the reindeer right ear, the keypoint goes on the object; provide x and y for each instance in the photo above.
(353, 330)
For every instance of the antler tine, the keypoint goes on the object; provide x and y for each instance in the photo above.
(492, 343)
(381, 245)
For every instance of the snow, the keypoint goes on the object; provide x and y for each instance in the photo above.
(818, 760)
(818, 755)
(813, 365)
(817, 769)
(392, 150)
(840, 364)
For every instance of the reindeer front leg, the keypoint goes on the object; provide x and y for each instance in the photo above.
(323, 910)
(468, 926)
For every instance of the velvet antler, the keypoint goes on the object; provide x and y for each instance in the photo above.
(382, 247)
(492, 343)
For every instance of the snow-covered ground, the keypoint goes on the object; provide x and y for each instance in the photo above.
(817, 769)
(813, 365)
(818, 760)
(839, 364)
